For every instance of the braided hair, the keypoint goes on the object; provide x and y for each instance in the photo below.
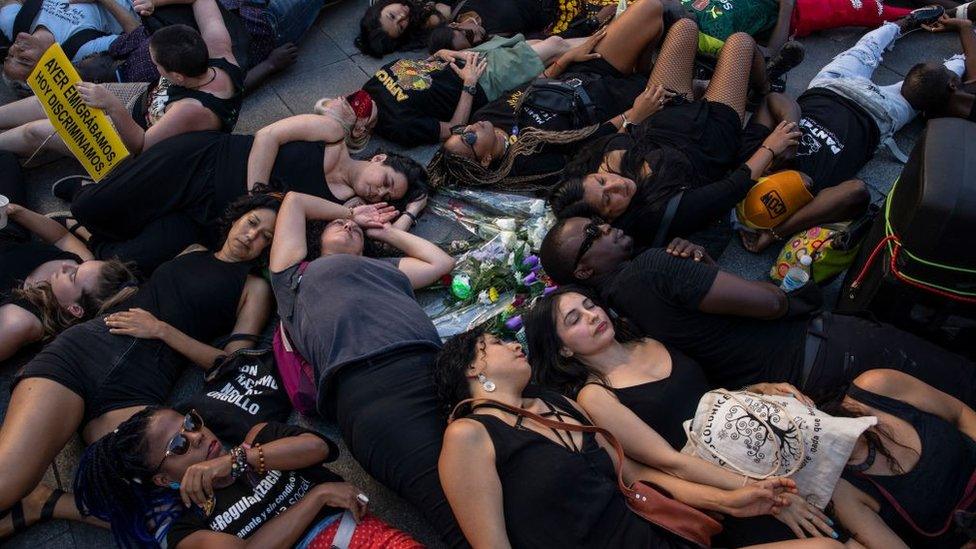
(447, 167)
(114, 483)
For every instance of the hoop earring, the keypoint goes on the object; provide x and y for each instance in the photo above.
(486, 384)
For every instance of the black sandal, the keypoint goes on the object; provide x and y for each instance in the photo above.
(47, 512)
(62, 218)
(17, 516)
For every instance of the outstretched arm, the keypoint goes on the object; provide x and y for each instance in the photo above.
(126, 18)
(424, 263)
(211, 24)
(267, 141)
(49, 231)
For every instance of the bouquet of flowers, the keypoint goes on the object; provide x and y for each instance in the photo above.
(492, 282)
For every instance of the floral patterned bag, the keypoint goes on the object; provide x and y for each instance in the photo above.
(833, 247)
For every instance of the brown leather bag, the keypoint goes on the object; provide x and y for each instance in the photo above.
(681, 520)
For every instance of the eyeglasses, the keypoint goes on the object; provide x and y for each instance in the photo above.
(469, 35)
(469, 138)
(179, 444)
(590, 233)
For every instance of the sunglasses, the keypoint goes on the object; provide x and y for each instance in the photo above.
(469, 138)
(591, 232)
(179, 444)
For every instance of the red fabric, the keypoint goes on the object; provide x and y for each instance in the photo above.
(371, 533)
(361, 103)
(814, 15)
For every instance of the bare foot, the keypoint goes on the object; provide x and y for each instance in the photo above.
(32, 505)
(81, 232)
(756, 241)
(283, 57)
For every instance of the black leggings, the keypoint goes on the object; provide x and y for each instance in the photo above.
(855, 345)
(388, 413)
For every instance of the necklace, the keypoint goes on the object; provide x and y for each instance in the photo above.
(213, 73)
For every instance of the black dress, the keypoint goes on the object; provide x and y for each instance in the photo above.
(666, 403)
(187, 181)
(930, 491)
(195, 293)
(556, 496)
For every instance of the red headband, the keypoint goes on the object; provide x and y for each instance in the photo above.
(361, 103)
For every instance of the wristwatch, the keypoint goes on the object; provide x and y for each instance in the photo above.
(473, 90)
(625, 123)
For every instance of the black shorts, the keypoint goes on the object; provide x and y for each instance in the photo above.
(108, 372)
(708, 132)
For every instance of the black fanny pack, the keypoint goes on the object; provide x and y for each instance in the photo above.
(565, 100)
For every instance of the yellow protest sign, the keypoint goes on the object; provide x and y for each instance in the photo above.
(87, 131)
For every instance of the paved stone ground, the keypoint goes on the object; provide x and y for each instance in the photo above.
(328, 65)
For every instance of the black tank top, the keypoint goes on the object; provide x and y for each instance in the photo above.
(226, 110)
(557, 496)
(666, 403)
(195, 293)
(931, 490)
(18, 261)
(298, 167)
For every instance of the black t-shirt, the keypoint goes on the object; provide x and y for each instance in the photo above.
(242, 391)
(513, 16)
(240, 509)
(413, 97)
(661, 294)
(839, 137)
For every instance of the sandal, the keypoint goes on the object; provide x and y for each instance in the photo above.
(47, 512)
(17, 516)
(63, 218)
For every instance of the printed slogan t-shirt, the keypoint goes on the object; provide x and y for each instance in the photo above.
(722, 18)
(240, 509)
(64, 20)
(838, 137)
(413, 97)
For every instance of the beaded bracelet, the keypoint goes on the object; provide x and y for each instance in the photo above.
(261, 467)
(238, 464)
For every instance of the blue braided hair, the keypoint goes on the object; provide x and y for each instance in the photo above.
(114, 483)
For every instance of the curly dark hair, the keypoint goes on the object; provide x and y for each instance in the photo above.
(373, 40)
(550, 368)
(259, 199)
(449, 370)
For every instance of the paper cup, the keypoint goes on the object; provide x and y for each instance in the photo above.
(4, 202)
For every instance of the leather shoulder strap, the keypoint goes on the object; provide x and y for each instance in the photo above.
(552, 424)
(28, 12)
(666, 219)
(79, 39)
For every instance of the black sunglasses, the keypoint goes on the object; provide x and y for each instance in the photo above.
(590, 233)
(469, 138)
(179, 444)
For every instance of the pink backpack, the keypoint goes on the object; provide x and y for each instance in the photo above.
(297, 374)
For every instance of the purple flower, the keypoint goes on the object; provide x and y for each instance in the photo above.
(549, 289)
(514, 323)
(529, 279)
(531, 261)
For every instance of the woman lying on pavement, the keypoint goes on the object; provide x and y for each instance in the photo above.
(97, 374)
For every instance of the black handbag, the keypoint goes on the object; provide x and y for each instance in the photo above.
(547, 99)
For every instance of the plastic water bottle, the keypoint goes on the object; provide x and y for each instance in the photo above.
(798, 275)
